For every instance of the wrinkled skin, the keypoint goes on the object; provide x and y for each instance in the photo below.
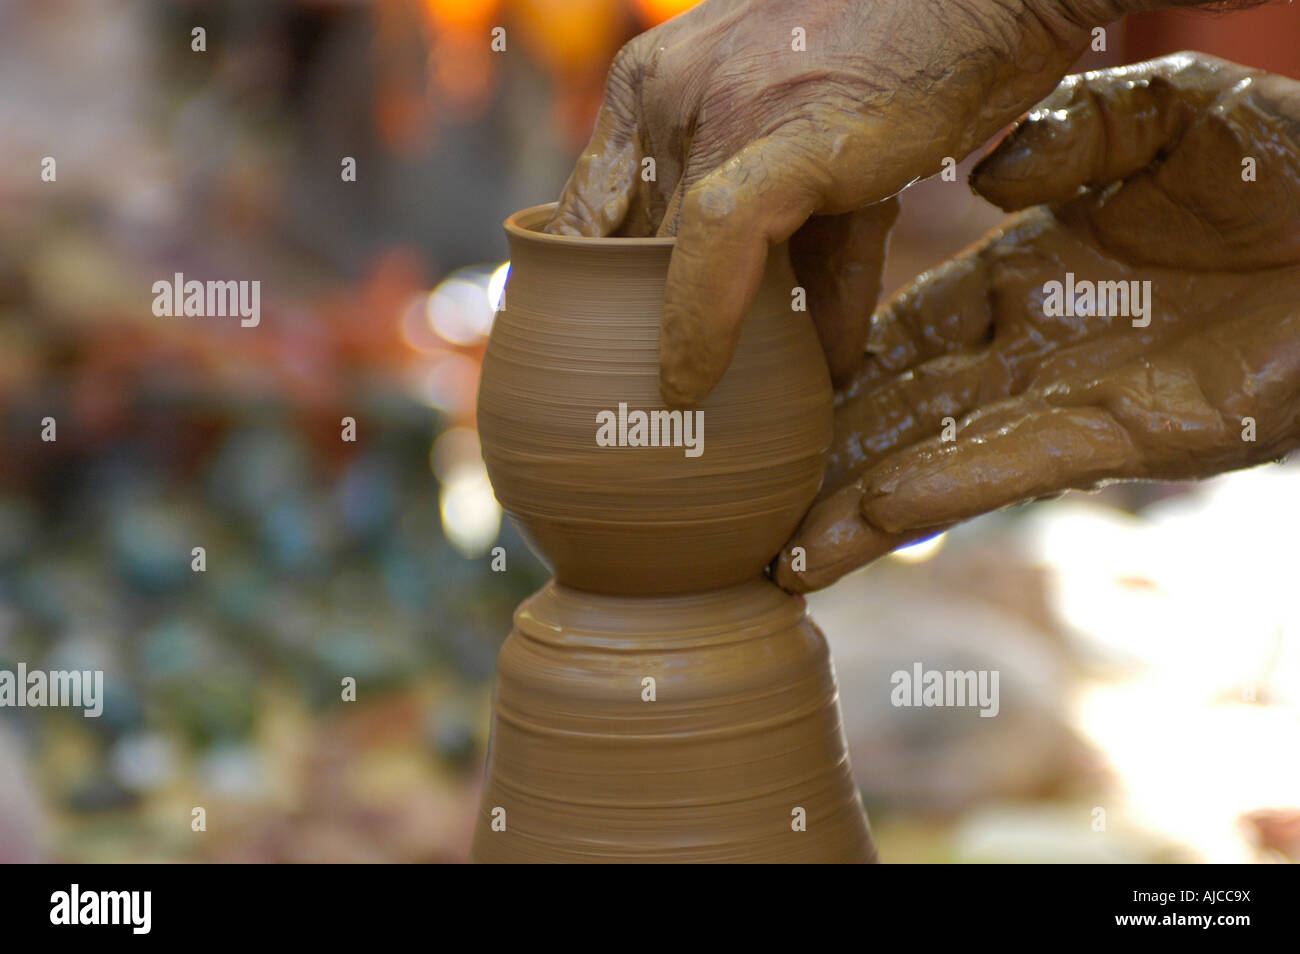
(1141, 172)
(755, 143)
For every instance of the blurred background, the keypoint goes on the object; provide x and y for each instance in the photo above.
(1148, 637)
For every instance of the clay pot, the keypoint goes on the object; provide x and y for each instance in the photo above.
(738, 755)
(578, 336)
(661, 700)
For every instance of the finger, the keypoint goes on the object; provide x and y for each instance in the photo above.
(595, 200)
(1017, 455)
(839, 260)
(1185, 407)
(668, 224)
(834, 539)
(926, 359)
(1101, 127)
(728, 222)
(1160, 417)
(914, 406)
(945, 310)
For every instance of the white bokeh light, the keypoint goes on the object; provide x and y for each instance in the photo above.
(460, 307)
(471, 516)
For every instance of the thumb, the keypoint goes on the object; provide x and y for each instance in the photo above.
(729, 220)
(835, 539)
(1099, 128)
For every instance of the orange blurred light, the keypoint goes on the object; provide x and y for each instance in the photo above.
(460, 62)
(401, 116)
(461, 73)
(657, 11)
(461, 15)
(570, 36)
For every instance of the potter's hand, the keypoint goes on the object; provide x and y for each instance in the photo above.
(759, 114)
(1184, 172)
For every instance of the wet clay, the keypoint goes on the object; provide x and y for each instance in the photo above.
(743, 736)
(657, 555)
(578, 338)
(661, 700)
(766, 121)
(1141, 168)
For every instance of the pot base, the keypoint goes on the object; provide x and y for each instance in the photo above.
(697, 728)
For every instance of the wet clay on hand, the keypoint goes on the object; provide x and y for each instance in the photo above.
(743, 123)
(1208, 380)
(661, 700)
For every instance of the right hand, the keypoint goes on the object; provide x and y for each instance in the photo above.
(755, 143)
(1144, 170)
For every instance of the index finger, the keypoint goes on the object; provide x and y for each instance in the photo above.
(595, 199)
(729, 220)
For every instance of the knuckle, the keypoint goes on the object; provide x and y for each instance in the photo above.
(710, 204)
(628, 68)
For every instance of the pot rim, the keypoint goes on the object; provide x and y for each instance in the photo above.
(526, 225)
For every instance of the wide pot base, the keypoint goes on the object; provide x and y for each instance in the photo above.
(699, 728)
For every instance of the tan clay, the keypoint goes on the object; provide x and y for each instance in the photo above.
(752, 133)
(689, 712)
(1206, 382)
(1141, 167)
(743, 733)
(661, 701)
(579, 335)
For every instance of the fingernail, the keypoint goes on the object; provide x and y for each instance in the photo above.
(883, 488)
(677, 392)
(787, 578)
(888, 512)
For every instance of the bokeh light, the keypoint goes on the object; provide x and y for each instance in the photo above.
(653, 12)
(460, 308)
(471, 516)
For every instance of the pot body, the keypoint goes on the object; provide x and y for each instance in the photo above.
(697, 728)
(570, 377)
(660, 700)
